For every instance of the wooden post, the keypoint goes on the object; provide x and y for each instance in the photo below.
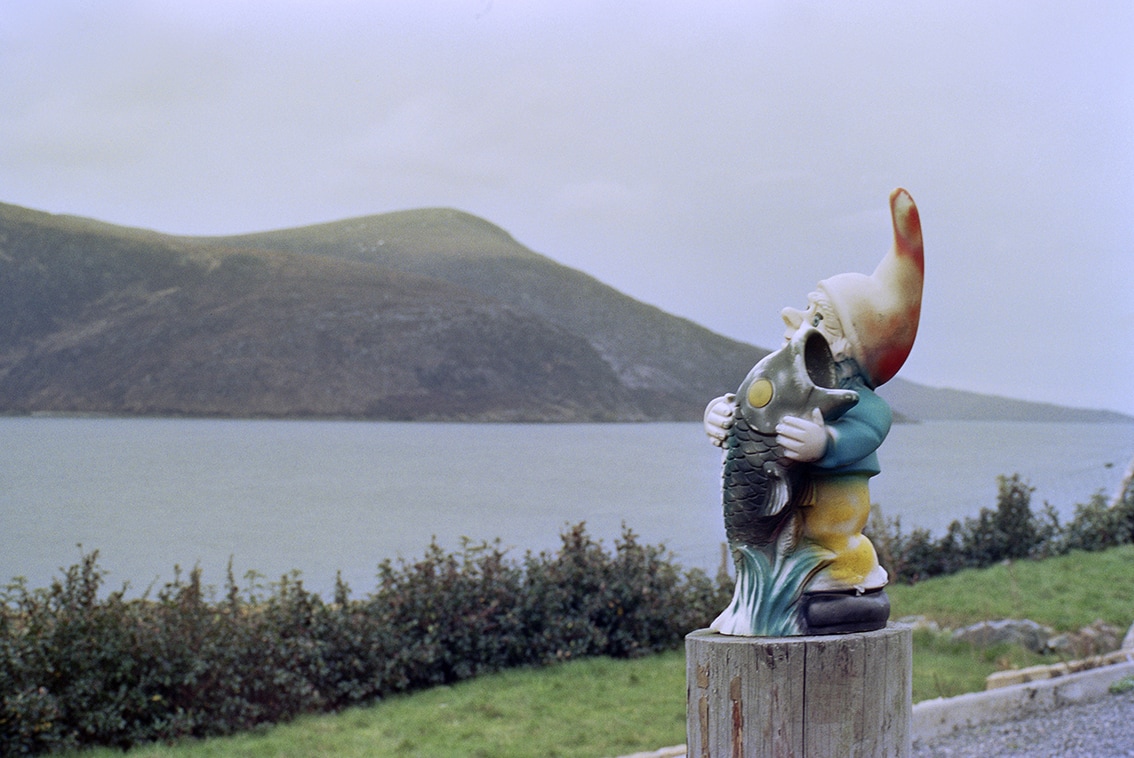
(806, 697)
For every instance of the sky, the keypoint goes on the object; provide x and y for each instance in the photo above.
(715, 159)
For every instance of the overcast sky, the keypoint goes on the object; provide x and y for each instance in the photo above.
(714, 159)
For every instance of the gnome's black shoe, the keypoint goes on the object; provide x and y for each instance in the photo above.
(844, 612)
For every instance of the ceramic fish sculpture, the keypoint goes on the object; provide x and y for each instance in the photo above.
(763, 487)
(759, 480)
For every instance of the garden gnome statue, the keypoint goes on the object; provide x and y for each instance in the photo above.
(800, 436)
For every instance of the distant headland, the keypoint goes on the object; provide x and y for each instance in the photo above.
(431, 315)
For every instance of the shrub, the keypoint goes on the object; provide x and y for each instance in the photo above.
(1011, 531)
(1098, 525)
(445, 617)
(77, 670)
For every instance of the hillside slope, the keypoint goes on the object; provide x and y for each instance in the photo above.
(654, 353)
(417, 315)
(98, 319)
(672, 365)
(916, 401)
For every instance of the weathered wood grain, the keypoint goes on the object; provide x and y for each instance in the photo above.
(835, 695)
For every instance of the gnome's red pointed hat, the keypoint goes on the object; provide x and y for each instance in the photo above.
(880, 312)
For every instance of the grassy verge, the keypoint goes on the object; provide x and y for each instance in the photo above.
(591, 707)
(1066, 592)
(944, 668)
(603, 707)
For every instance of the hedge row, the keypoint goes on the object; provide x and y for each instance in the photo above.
(77, 669)
(1011, 531)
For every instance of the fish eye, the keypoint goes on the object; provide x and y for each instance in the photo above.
(816, 319)
(760, 393)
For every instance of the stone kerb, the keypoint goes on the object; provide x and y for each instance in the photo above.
(933, 718)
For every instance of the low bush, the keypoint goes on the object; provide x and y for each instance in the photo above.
(78, 668)
(1011, 531)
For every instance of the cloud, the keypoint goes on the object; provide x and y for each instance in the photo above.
(715, 160)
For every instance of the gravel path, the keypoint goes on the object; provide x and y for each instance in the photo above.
(1103, 728)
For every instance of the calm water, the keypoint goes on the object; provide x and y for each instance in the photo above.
(324, 496)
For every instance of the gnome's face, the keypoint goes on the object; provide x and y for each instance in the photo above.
(821, 316)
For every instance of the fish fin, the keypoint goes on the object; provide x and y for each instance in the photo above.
(779, 493)
(789, 535)
(832, 402)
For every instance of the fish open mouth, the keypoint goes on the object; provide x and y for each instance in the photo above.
(818, 360)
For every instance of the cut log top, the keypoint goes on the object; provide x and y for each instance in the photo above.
(831, 695)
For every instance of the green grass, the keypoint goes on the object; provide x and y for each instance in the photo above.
(603, 707)
(944, 668)
(1067, 592)
(1125, 684)
(591, 708)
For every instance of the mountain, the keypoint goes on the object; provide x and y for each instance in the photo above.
(670, 365)
(96, 318)
(418, 315)
(916, 401)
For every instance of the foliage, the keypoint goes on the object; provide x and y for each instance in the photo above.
(1010, 532)
(82, 667)
(602, 706)
(1123, 685)
(77, 669)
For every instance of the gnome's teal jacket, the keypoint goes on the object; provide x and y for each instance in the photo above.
(856, 434)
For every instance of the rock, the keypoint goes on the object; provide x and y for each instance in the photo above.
(919, 622)
(1095, 639)
(1023, 632)
(1128, 640)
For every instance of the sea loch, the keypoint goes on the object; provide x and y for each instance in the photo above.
(325, 496)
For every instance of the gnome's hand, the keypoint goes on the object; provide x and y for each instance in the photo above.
(803, 439)
(718, 418)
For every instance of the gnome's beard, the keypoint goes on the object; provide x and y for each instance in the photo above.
(841, 348)
(846, 369)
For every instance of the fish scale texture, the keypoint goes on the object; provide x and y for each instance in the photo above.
(750, 515)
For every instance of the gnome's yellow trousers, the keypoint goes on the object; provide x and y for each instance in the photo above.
(833, 519)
